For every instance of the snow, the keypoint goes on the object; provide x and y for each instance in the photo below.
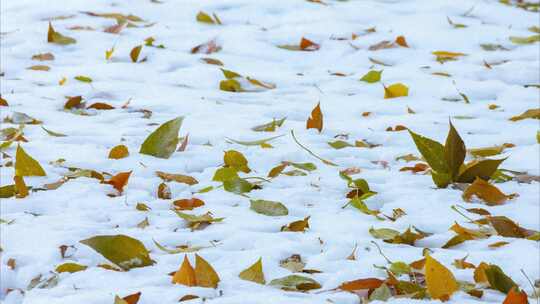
(173, 82)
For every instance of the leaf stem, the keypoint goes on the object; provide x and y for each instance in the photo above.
(327, 162)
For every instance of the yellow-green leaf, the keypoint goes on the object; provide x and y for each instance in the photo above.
(236, 160)
(525, 40)
(269, 208)
(122, 250)
(119, 152)
(25, 165)
(55, 37)
(396, 90)
(454, 152)
(163, 141)
(483, 169)
(70, 267)
(82, 78)
(531, 113)
(372, 76)
(205, 273)
(254, 273)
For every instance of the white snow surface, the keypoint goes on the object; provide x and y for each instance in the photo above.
(173, 82)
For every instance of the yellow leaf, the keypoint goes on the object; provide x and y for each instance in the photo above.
(396, 90)
(440, 282)
(479, 273)
(134, 54)
(205, 274)
(531, 113)
(185, 275)
(236, 160)
(254, 273)
(118, 152)
(25, 165)
(55, 37)
(62, 81)
(39, 67)
(70, 267)
(443, 56)
(315, 121)
(20, 187)
(109, 53)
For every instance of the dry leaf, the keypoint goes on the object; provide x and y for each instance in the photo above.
(315, 121)
(515, 296)
(43, 57)
(119, 181)
(254, 273)
(179, 178)
(188, 204)
(486, 192)
(205, 274)
(119, 152)
(440, 282)
(396, 90)
(185, 275)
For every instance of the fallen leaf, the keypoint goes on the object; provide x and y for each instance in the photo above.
(187, 204)
(55, 37)
(440, 282)
(205, 273)
(164, 192)
(315, 121)
(185, 275)
(254, 273)
(43, 57)
(372, 76)
(361, 284)
(25, 165)
(236, 160)
(70, 267)
(515, 296)
(531, 113)
(132, 298)
(295, 283)
(122, 250)
(82, 78)
(135, 52)
(400, 40)
(525, 40)
(163, 141)
(486, 192)
(119, 152)
(498, 279)
(297, 226)
(269, 208)
(74, 102)
(179, 178)
(40, 67)
(101, 106)
(206, 48)
(119, 181)
(396, 90)
(443, 56)
(205, 18)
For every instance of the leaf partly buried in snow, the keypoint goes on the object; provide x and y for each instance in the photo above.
(119, 181)
(187, 204)
(269, 127)
(372, 76)
(185, 275)
(163, 141)
(295, 283)
(135, 52)
(205, 273)
(531, 113)
(254, 273)
(315, 121)
(396, 90)
(498, 279)
(122, 250)
(25, 165)
(205, 18)
(119, 152)
(70, 267)
(269, 208)
(297, 226)
(236, 160)
(55, 37)
(486, 192)
(440, 282)
(179, 178)
(525, 40)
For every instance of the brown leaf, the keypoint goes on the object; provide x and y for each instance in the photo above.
(164, 192)
(206, 48)
(43, 57)
(185, 275)
(179, 178)
(315, 121)
(133, 298)
(101, 106)
(385, 44)
(486, 192)
(3, 102)
(74, 102)
(184, 144)
(479, 273)
(297, 226)
(114, 29)
(134, 54)
(188, 204)
(400, 40)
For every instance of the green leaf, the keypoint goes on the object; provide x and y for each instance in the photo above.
(83, 78)
(383, 233)
(271, 126)
(260, 142)
(372, 76)
(454, 152)
(122, 250)
(295, 283)
(498, 280)
(70, 267)
(483, 169)
(339, 144)
(399, 268)
(51, 133)
(269, 208)
(382, 293)
(441, 180)
(254, 273)
(205, 18)
(304, 166)
(525, 40)
(238, 186)
(225, 174)
(25, 165)
(163, 141)
(432, 151)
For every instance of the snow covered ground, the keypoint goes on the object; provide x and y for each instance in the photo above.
(173, 82)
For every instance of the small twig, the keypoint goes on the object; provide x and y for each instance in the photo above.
(327, 162)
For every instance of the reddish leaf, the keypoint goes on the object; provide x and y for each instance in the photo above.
(188, 204)
(315, 121)
(119, 181)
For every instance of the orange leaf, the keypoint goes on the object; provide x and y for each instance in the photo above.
(401, 41)
(515, 297)
(480, 274)
(119, 181)
(315, 121)
(3, 102)
(118, 152)
(185, 275)
(188, 204)
(133, 298)
(308, 45)
(361, 284)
